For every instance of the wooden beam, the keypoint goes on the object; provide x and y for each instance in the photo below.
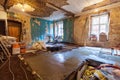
(59, 9)
(4, 5)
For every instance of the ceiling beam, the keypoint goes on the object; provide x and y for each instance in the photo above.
(5, 4)
(59, 9)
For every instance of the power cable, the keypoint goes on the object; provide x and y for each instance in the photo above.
(24, 71)
(3, 64)
(8, 55)
(11, 69)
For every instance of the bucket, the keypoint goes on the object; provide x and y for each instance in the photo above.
(22, 48)
(16, 48)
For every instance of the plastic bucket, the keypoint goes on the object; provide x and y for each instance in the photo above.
(15, 48)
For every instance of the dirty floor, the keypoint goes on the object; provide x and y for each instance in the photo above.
(57, 66)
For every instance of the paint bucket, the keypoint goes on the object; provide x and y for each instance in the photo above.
(22, 48)
(16, 48)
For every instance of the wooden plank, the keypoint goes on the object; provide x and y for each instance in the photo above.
(5, 2)
(59, 9)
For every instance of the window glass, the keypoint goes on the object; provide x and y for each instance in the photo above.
(56, 30)
(103, 29)
(59, 29)
(95, 29)
(95, 20)
(51, 29)
(99, 24)
(103, 19)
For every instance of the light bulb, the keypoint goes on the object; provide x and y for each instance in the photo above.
(96, 10)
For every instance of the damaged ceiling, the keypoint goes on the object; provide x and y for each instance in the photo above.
(52, 9)
(41, 10)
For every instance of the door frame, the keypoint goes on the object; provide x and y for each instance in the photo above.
(14, 21)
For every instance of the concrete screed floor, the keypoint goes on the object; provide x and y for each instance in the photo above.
(57, 66)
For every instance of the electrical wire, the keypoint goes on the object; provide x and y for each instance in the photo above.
(7, 53)
(11, 69)
(24, 71)
(3, 64)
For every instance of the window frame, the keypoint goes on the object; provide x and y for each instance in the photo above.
(58, 29)
(107, 24)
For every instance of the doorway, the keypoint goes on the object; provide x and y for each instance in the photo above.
(14, 29)
(2, 27)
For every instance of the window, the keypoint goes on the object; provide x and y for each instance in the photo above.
(99, 25)
(59, 29)
(51, 29)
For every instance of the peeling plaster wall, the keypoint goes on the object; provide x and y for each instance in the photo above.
(114, 35)
(40, 29)
(26, 27)
(79, 25)
(4, 14)
(81, 32)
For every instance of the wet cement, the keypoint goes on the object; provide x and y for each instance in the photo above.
(59, 65)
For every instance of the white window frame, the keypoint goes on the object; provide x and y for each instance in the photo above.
(107, 24)
(58, 29)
